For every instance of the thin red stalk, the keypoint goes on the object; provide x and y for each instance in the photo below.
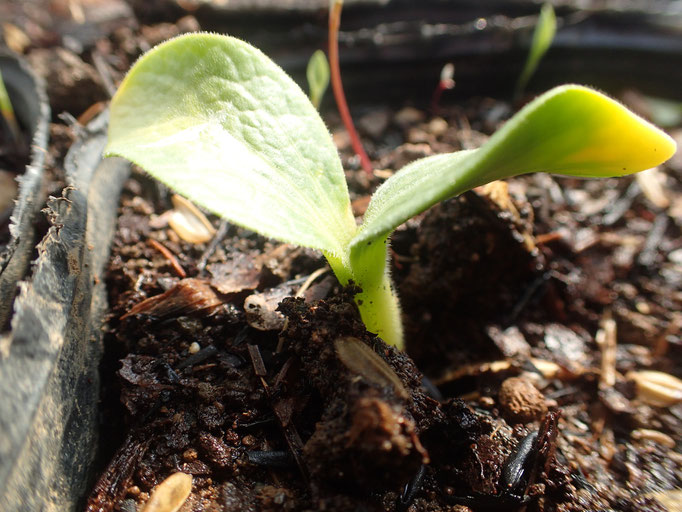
(174, 263)
(337, 86)
(435, 99)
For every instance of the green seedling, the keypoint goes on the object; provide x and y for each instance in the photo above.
(8, 112)
(318, 77)
(542, 40)
(664, 112)
(220, 123)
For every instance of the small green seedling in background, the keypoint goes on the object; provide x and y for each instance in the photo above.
(666, 113)
(8, 112)
(318, 77)
(220, 123)
(542, 40)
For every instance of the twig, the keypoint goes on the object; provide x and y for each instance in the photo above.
(337, 86)
(606, 340)
(115, 479)
(170, 257)
(528, 294)
(653, 241)
(291, 435)
(258, 364)
(311, 278)
(105, 73)
(223, 229)
(622, 205)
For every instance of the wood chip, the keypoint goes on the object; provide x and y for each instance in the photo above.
(236, 275)
(170, 494)
(548, 369)
(606, 340)
(15, 38)
(670, 499)
(471, 370)
(510, 341)
(652, 183)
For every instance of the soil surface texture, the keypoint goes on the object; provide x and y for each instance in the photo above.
(533, 310)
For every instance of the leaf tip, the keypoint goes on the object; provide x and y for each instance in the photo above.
(618, 141)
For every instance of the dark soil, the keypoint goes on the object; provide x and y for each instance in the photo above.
(502, 301)
(526, 306)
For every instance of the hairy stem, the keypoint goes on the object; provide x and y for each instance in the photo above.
(366, 265)
(380, 310)
(337, 86)
(377, 302)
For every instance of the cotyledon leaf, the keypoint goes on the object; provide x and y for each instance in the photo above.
(219, 122)
(571, 130)
(317, 73)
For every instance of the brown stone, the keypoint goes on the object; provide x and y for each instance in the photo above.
(520, 400)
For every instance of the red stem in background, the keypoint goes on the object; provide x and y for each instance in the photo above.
(445, 83)
(337, 86)
(435, 99)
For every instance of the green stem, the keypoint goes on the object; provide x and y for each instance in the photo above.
(380, 310)
(378, 303)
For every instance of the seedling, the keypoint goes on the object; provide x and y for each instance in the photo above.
(445, 83)
(542, 40)
(317, 74)
(335, 8)
(219, 122)
(7, 112)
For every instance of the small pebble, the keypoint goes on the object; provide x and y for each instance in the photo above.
(374, 123)
(190, 455)
(194, 348)
(486, 401)
(417, 135)
(521, 401)
(438, 126)
(408, 116)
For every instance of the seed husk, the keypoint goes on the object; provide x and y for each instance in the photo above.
(362, 360)
(645, 434)
(170, 494)
(655, 388)
(188, 222)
